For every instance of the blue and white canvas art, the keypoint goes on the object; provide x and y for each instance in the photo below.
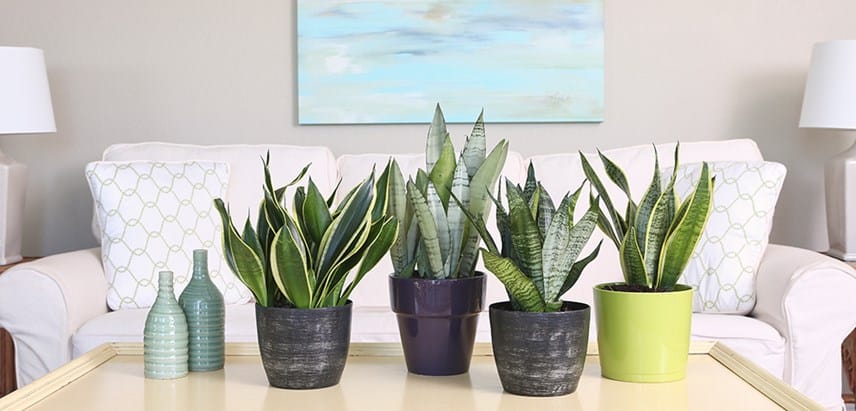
(385, 61)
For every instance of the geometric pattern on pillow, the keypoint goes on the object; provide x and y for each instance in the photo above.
(152, 216)
(724, 264)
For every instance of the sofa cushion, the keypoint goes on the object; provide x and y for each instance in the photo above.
(724, 263)
(749, 337)
(245, 165)
(152, 216)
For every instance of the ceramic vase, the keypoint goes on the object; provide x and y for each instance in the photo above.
(203, 306)
(165, 335)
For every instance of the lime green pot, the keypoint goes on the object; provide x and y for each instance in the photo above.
(643, 337)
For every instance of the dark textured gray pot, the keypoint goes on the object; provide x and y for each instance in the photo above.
(540, 354)
(304, 348)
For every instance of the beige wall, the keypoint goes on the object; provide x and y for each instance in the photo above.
(218, 71)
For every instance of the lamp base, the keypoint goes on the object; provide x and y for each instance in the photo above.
(13, 184)
(840, 176)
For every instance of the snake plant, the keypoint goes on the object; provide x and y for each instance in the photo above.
(540, 245)
(435, 239)
(656, 237)
(302, 258)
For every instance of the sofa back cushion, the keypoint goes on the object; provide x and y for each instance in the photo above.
(245, 163)
(153, 215)
(560, 173)
(353, 168)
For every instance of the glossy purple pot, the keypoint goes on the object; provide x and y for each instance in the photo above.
(437, 321)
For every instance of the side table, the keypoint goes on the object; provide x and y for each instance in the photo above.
(8, 381)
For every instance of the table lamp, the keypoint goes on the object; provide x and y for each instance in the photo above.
(25, 108)
(830, 102)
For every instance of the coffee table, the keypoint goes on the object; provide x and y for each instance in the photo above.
(111, 377)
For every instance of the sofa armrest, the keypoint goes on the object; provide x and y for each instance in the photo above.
(807, 297)
(42, 303)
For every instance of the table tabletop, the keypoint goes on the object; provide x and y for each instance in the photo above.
(111, 377)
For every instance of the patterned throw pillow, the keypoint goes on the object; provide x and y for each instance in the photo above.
(152, 216)
(725, 262)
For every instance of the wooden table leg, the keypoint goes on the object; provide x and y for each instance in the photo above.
(8, 381)
(848, 359)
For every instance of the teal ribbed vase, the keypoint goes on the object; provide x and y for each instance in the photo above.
(165, 335)
(206, 317)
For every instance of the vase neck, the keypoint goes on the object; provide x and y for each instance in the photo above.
(200, 263)
(165, 285)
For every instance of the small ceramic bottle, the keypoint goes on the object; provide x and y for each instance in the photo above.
(203, 306)
(165, 335)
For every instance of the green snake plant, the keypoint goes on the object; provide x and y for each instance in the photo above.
(540, 245)
(302, 257)
(655, 237)
(435, 240)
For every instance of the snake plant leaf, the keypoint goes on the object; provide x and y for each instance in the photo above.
(289, 269)
(382, 190)
(519, 286)
(615, 173)
(577, 270)
(348, 259)
(241, 258)
(503, 225)
(422, 181)
(428, 229)
(563, 244)
(443, 172)
(646, 206)
(480, 227)
(332, 197)
(250, 238)
(525, 237)
(413, 236)
(659, 222)
(480, 185)
(616, 228)
(315, 213)
(572, 204)
(440, 222)
(680, 244)
(546, 210)
(280, 192)
(398, 252)
(376, 249)
(531, 183)
(475, 147)
(456, 218)
(342, 228)
(534, 202)
(632, 262)
(437, 135)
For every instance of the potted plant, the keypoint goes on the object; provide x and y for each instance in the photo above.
(539, 340)
(296, 264)
(643, 324)
(435, 291)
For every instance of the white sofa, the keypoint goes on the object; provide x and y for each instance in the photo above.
(55, 307)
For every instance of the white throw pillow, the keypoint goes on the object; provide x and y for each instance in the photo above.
(725, 262)
(152, 216)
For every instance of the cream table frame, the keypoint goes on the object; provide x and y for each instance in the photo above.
(376, 378)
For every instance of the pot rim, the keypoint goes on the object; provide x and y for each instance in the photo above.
(679, 288)
(477, 275)
(347, 305)
(578, 307)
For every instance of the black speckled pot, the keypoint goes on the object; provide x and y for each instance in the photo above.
(540, 354)
(437, 321)
(304, 348)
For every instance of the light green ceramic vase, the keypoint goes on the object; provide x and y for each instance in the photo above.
(203, 306)
(643, 337)
(165, 335)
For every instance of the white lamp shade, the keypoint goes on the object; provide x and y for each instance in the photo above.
(830, 90)
(25, 98)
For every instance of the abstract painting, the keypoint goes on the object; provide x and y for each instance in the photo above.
(391, 61)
